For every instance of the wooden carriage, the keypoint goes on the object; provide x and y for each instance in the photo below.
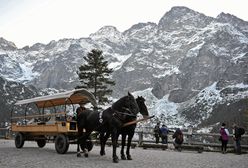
(51, 121)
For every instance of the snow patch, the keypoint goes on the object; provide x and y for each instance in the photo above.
(120, 60)
(27, 73)
(172, 70)
(193, 52)
(239, 56)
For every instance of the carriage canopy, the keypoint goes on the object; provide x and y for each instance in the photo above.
(75, 96)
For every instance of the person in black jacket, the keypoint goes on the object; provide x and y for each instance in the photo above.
(237, 139)
(178, 139)
(156, 131)
(79, 110)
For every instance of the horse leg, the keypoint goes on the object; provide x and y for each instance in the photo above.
(123, 144)
(85, 149)
(78, 150)
(79, 141)
(103, 140)
(86, 154)
(114, 143)
(129, 141)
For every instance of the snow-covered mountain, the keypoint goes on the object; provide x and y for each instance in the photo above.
(187, 65)
(11, 92)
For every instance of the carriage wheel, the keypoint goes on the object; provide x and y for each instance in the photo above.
(89, 145)
(19, 140)
(61, 144)
(41, 142)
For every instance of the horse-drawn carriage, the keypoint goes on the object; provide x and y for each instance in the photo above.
(58, 126)
(52, 119)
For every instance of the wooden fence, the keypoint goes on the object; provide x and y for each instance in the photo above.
(192, 141)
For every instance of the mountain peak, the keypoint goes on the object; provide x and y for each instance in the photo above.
(233, 20)
(7, 45)
(181, 9)
(107, 32)
(181, 16)
(228, 18)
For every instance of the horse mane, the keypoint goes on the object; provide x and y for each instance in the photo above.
(119, 103)
(126, 102)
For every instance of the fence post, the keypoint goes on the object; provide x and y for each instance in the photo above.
(190, 133)
(140, 138)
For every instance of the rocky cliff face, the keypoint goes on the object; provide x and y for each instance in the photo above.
(11, 92)
(177, 58)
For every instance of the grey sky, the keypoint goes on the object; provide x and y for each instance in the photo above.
(26, 22)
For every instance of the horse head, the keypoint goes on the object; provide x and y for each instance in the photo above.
(132, 104)
(127, 104)
(142, 106)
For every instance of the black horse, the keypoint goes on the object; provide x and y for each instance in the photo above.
(129, 130)
(126, 131)
(109, 120)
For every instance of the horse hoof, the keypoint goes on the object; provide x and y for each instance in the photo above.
(102, 153)
(86, 155)
(78, 155)
(129, 157)
(123, 157)
(116, 160)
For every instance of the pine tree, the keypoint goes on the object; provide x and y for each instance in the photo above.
(94, 75)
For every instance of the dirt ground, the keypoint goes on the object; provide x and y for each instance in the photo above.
(33, 157)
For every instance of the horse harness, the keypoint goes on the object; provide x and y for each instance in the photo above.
(117, 114)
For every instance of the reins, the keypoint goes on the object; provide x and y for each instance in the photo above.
(136, 121)
(125, 113)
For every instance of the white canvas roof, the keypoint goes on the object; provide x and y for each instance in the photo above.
(69, 97)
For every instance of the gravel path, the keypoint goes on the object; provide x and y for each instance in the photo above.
(33, 157)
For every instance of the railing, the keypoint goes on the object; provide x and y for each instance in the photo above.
(205, 141)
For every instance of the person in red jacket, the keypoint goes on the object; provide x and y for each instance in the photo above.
(178, 136)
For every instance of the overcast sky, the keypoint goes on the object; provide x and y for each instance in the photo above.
(26, 22)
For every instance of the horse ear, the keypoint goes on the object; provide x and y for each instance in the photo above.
(129, 94)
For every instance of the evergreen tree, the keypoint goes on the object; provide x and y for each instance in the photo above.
(94, 75)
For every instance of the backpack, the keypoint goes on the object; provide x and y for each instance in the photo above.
(241, 131)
